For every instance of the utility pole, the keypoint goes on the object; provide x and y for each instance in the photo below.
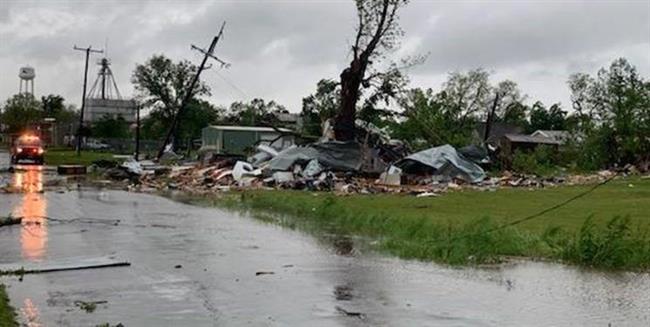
(137, 132)
(88, 50)
(490, 118)
(188, 95)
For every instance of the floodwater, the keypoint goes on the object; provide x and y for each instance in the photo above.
(194, 266)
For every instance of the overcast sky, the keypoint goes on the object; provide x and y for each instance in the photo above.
(280, 49)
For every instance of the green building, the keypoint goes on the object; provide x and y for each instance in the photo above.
(242, 139)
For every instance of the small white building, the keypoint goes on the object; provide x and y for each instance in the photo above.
(97, 108)
(241, 139)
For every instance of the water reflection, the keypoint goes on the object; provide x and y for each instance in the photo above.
(33, 236)
(31, 314)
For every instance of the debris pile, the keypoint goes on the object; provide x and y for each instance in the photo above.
(371, 164)
(337, 167)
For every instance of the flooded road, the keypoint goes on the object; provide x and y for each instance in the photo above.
(193, 266)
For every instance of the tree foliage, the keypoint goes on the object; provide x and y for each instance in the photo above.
(257, 112)
(198, 115)
(54, 107)
(387, 88)
(552, 118)
(613, 111)
(450, 116)
(111, 127)
(162, 84)
(427, 121)
(320, 106)
(469, 96)
(21, 112)
(466, 95)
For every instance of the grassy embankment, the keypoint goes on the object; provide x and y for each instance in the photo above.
(609, 228)
(55, 157)
(7, 313)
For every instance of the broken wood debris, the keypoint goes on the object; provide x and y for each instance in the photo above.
(90, 306)
(62, 265)
(10, 220)
(359, 315)
(356, 167)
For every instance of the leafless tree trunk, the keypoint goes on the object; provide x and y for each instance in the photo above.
(376, 21)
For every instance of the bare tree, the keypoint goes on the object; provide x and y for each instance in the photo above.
(377, 32)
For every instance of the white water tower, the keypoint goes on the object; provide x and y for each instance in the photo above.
(27, 75)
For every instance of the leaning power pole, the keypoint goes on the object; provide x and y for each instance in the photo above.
(137, 132)
(88, 50)
(188, 95)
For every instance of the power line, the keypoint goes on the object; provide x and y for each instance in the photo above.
(231, 84)
(537, 214)
(557, 206)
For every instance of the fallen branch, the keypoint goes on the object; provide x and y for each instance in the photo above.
(9, 220)
(23, 271)
(359, 315)
(89, 307)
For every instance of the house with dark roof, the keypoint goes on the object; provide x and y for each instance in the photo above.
(511, 143)
(497, 131)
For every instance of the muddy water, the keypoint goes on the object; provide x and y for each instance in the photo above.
(195, 266)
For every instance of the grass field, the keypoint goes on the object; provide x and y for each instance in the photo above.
(7, 314)
(55, 157)
(457, 227)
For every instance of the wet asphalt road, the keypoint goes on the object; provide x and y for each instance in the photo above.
(195, 266)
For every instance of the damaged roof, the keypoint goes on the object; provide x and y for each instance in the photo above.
(557, 135)
(248, 128)
(521, 138)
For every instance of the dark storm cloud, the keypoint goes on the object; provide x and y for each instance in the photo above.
(280, 49)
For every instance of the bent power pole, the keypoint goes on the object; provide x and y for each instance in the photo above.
(88, 50)
(188, 96)
(137, 132)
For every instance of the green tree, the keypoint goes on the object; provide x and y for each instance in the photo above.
(469, 96)
(509, 102)
(198, 115)
(54, 107)
(257, 112)
(111, 127)
(451, 115)
(466, 96)
(386, 89)
(161, 85)
(320, 106)
(614, 108)
(553, 118)
(516, 114)
(427, 121)
(21, 112)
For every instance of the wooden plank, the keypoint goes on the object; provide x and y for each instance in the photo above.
(71, 169)
(22, 268)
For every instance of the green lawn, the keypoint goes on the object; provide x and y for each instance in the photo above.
(426, 227)
(627, 197)
(55, 157)
(7, 314)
